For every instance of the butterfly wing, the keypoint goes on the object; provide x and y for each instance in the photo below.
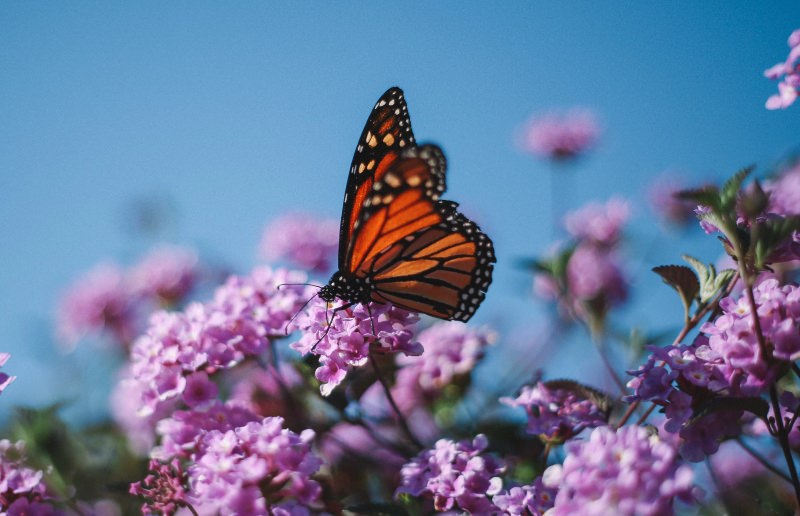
(386, 134)
(417, 251)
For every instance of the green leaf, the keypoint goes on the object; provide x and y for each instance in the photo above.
(730, 190)
(683, 280)
(710, 281)
(707, 196)
(770, 235)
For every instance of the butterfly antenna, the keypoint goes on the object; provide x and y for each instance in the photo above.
(297, 285)
(286, 331)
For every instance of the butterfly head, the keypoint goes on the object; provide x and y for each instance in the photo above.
(347, 288)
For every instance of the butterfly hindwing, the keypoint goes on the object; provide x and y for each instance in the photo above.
(443, 270)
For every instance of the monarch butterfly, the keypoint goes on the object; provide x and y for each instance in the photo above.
(398, 242)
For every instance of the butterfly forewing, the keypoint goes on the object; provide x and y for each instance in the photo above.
(386, 134)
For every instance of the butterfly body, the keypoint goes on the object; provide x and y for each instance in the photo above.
(399, 242)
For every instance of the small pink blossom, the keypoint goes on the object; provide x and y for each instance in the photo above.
(560, 137)
(626, 472)
(344, 339)
(600, 224)
(303, 240)
(101, 300)
(456, 476)
(5, 379)
(788, 72)
(167, 274)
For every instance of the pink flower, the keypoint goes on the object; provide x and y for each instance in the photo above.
(305, 241)
(557, 413)
(790, 71)
(5, 380)
(666, 204)
(452, 349)
(167, 274)
(560, 137)
(457, 476)
(102, 300)
(22, 489)
(256, 468)
(626, 472)
(600, 224)
(245, 314)
(351, 335)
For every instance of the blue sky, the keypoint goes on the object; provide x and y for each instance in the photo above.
(238, 112)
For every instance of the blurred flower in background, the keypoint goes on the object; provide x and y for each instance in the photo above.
(560, 136)
(302, 240)
(788, 73)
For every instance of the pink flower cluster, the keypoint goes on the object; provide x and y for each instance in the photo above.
(665, 204)
(560, 137)
(529, 500)
(113, 300)
(784, 192)
(22, 489)
(599, 224)
(556, 414)
(5, 379)
(788, 72)
(258, 468)
(238, 463)
(626, 472)
(593, 280)
(726, 360)
(732, 338)
(346, 340)
(458, 476)
(174, 358)
(452, 349)
(305, 241)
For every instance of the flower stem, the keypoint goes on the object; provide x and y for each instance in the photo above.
(400, 418)
(784, 440)
(764, 462)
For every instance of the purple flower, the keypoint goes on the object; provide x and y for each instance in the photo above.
(182, 433)
(305, 241)
(560, 137)
(458, 476)
(452, 349)
(5, 380)
(245, 314)
(165, 488)
(531, 500)
(627, 472)
(555, 413)
(594, 275)
(167, 274)
(352, 334)
(102, 300)
(702, 212)
(597, 223)
(784, 192)
(22, 489)
(666, 204)
(789, 74)
(256, 468)
(732, 338)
